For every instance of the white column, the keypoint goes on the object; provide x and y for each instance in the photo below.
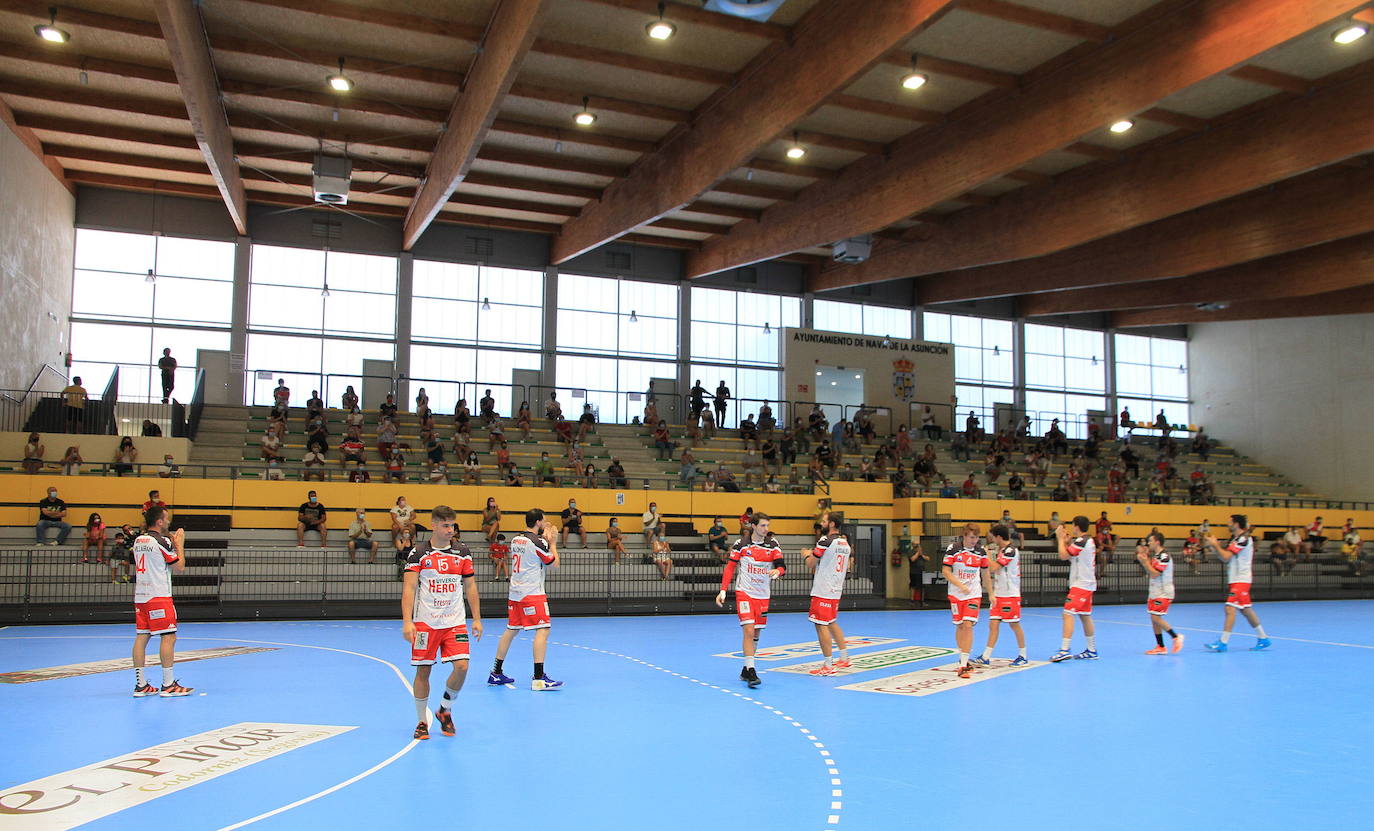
(238, 317)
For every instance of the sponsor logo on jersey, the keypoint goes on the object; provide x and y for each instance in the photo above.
(25, 676)
(938, 679)
(788, 651)
(884, 659)
(76, 797)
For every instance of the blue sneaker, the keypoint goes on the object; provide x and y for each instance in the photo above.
(1086, 655)
(1216, 646)
(981, 661)
(545, 683)
(1261, 644)
(497, 679)
(1020, 661)
(1061, 655)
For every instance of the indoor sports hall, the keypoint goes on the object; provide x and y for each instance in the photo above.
(767, 414)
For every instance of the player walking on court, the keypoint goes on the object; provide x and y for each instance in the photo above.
(758, 558)
(831, 560)
(156, 556)
(527, 603)
(1160, 567)
(1004, 569)
(433, 617)
(1238, 555)
(1081, 552)
(963, 567)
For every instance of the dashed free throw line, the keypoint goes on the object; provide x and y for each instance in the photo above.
(832, 769)
(1218, 632)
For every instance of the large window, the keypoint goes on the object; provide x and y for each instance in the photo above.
(469, 304)
(748, 387)
(473, 371)
(610, 316)
(862, 319)
(329, 365)
(133, 348)
(1066, 375)
(1152, 375)
(983, 354)
(322, 292)
(738, 327)
(614, 387)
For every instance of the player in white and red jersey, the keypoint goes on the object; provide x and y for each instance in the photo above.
(1081, 552)
(433, 617)
(1239, 556)
(1004, 575)
(963, 566)
(1160, 568)
(758, 559)
(156, 555)
(527, 604)
(831, 560)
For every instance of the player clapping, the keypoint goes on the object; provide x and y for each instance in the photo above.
(1004, 566)
(1238, 555)
(1160, 567)
(1081, 552)
(758, 558)
(963, 567)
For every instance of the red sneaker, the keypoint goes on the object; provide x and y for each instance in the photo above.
(1178, 644)
(1158, 650)
(422, 731)
(966, 671)
(843, 663)
(445, 719)
(822, 670)
(145, 690)
(175, 690)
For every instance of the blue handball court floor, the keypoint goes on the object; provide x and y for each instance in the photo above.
(308, 725)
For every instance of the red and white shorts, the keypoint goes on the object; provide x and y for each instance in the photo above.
(824, 610)
(155, 617)
(1006, 609)
(752, 610)
(1239, 597)
(965, 610)
(1079, 602)
(1158, 605)
(448, 645)
(530, 612)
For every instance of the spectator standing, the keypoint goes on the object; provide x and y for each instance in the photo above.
(572, 524)
(168, 367)
(94, 538)
(697, 399)
(360, 536)
(75, 409)
(651, 521)
(722, 397)
(312, 516)
(933, 431)
(72, 461)
(125, 457)
(349, 399)
(34, 450)
(52, 513)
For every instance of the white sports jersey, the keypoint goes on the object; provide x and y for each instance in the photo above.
(529, 555)
(1162, 577)
(754, 560)
(153, 558)
(1006, 581)
(1242, 548)
(834, 554)
(1083, 563)
(439, 590)
(966, 564)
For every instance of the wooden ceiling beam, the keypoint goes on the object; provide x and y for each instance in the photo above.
(508, 38)
(1331, 266)
(184, 33)
(1164, 182)
(1130, 73)
(1349, 301)
(829, 48)
(681, 13)
(1271, 78)
(1037, 19)
(929, 64)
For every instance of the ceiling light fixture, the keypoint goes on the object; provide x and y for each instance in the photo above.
(660, 29)
(767, 329)
(913, 79)
(858, 377)
(486, 305)
(818, 373)
(796, 151)
(49, 31)
(340, 82)
(1350, 33)
(634, 318)
(1122, 126)
(151, 278)
(996, 350)
(324, 292)
(586, 117)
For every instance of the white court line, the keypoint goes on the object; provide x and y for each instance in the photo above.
(327, 791)
(1218, 632)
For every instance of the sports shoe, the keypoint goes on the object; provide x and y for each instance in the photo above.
(1086, 655)
(981, 661)
(1158, 650)
(445, 719)
(174, 690)
(545, 683)
(1261, 645)
(497, 679)
(1020, 661)
(1178, 645)
(1061, 655)
(421, 732)
(966, 671)
(1216, 646)
(843, 663)
(752, 677)
(145, 690)
(822, 670)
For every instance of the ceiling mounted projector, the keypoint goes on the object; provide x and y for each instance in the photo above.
(752, 9)
(852, 250)
(333, 176)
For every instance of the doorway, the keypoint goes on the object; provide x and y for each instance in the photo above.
(838, 388)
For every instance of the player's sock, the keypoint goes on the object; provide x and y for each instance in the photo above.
(1021, 652)
(1064, 644)
(827, 662)
(1259, 630)
(1225, 637)
(449, 696)
(1159, 638)
(987, 653)
(538, 669)
(963, 659)
(138, 677)
(749, 662)
(496, 666)
(1172, 634)
(1092, 643)
(167, 679)
(421, 704)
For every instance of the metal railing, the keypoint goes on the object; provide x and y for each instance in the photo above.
(197, 408)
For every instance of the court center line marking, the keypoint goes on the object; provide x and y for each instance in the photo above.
(831, 767)
(1218, 632)
(302, 801)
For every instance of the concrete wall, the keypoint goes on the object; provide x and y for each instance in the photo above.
(37, 244)
(1295, 394)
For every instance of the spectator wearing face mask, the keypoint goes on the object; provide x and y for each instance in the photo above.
(51, 514)
(572, 524)
(311, 516)
(360, 536)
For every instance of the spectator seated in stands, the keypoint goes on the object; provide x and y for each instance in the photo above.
(708, 425)
(317, 431)
(358, 473)
(687, 469)
(314, 405)
(651, 411)
(586, 423)
(281, 396)
(1162, 424)
(513, 478)
(496, 435)
(615, 474)
(486, 408)
(360, 536)
(94, 538)
(1130, 462)
(386, 437)
(1016, 485)
(353, 421)
(438, 473)
(461, 449)
(395, 469)
(388, 408)
(718, 540)
(848, 474)
(863, 424)
(472, 469)
(1192, 553)
(523, 420)
(552, 409)
(825, 455)
(125, 457)
(312, 516)
(725, 480)
(151, 429)
(589, 476)
(434, 449)
(169, 469)
(650, 522)
(402, 518)
(352, 451)
(1061, 490)
(849, 438)
(749, 431)
(1105, 539)
(72, 461)
(1297, 543)
(52, 513)
(959, 447)
(575, 461)
(1315, 540)
(273, 472)
(615, 540)
(349, 400)
(970, 489)
(562, 430)
(992, 466)
(932, 430)
(572, 524)
(662, 554)
(816, 424)
(901, 485)
(662, 440)
(753, 468)
(34, 450)
(1282, 558)
(271, 444)
(543, 471)
(1055, 440)
(787, 448)
(1202, 444)
(767, 423)
(1352, 549)
(772, 485)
